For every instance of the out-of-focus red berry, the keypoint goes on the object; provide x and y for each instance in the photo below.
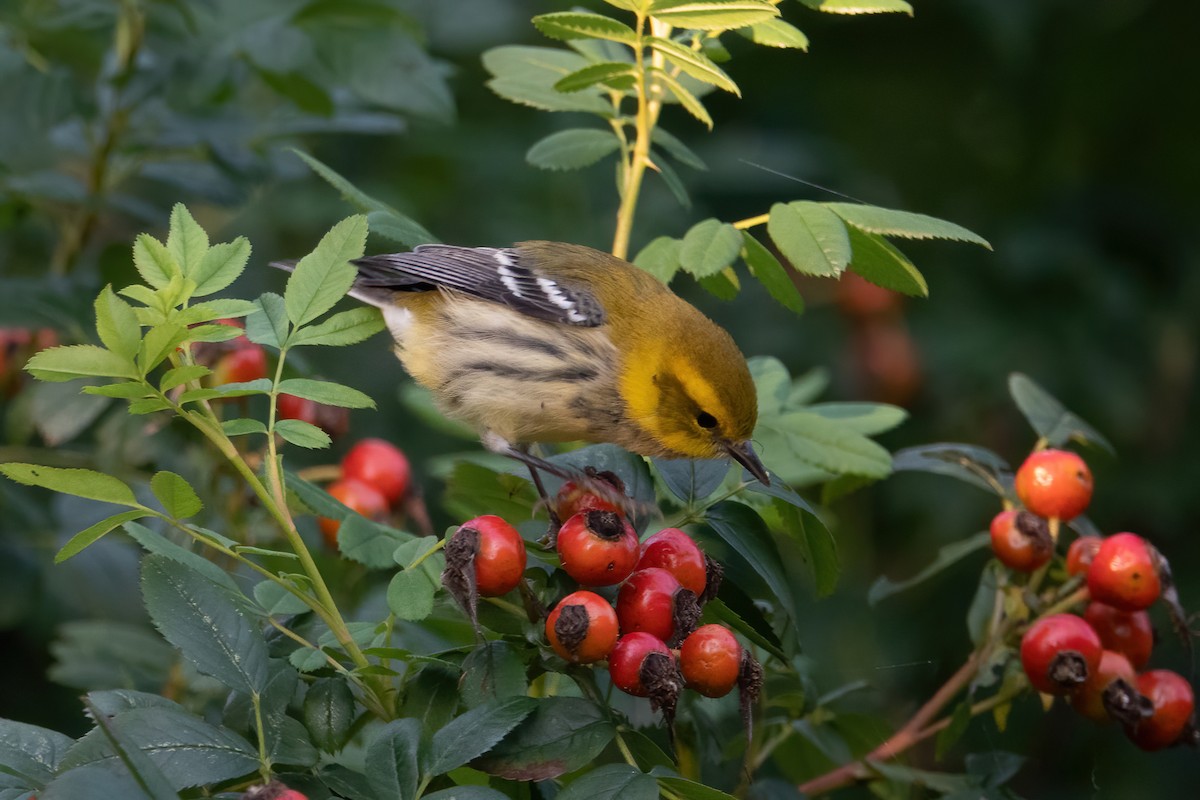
(1080, 554)
(1021, 540)
(244, 364)
(573, 498)
(357, 496)
(1123, 573)
(1059, 652)
(500, 560)
(331, 419)
(380, 464)
(676, 552)
(1173, 702)
(1127, 632)
(1054, 483)
(710, 659)
(582, 628)
(857, 297)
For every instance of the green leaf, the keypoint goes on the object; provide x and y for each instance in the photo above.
(975, 465)
(811, 237)
(198, 617)
(432, 696)
(740, 527)
(345, 327)
(686, 98)
(688, 790)
(367, 542)
(186, 241)
(815, 541)
(141, 768)
(852, 7)
(611, 782)
(324, 276)
(269, 324)
(213, 333)
(777, 33)
(574, 148)
(329, 712)
(275, 599)
(189, 751)
(131, 390)
(303, 434)
(567, 25)
(472, 489)
(716, 610)
(713, 15)
(660, 258)
(709, 247)
(411, 591)
(181, 375)
(835, 447)
(561, 735)
(878, 260)
(392, 759)
(153, 542)
(905, 224)
(85, 538)
(474, 733)
(491, 672)
(221, 266)
(399, 228)
(73, 361)
(159, 343)
(176, 494)
(326, 392)
(117, 325)
(689, 479)
(947, 556)
(693, 63)
(29, 756)
(154, 262)
(242, 427)
(466, 793)
(612, 74)
(677, 149)
(771, 274)
(1049, 418)
(869, 419)
(527, 75)
(724, 285)
(84, 483)
(950, 735)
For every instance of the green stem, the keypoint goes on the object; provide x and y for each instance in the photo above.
(264, 761)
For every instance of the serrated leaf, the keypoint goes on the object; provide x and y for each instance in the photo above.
(329, 712)
(84, 483)
(561, 735)
(690, 479)
(176, 494)
(117, 324)
(198, 617)
(853, 7)
(660, 258)
(326, 392)
(869, 419)
(611, 782)
(324, 276)
(124, 391)
(612, 74)
(154, 263)
(186, 241)
(468, 792)
(970, 463)
(575, 148)
(137, 763)
(880, 262)
(475, 732)
(340, 329)
(686, 98)
(777, 33)
(905, 224)
(69, 362)
(826, 444)
(276, 600)
(811, 237)
(94, 533)
(269, 324)
(490, 672)
(713, 15)
(567, 25)
(709, 247)
(30, 755)
(724, 285)
(153, 542)
(527, 75)
(159, 343)
(677, 149)
(771, 274)
(693, 63)
(411, 592)
(367, 542)
(302, 434)
(221, 266)
(740, 527)
(392, 759)
(1050, 418)
(399, 228)
(947, 556)
(181, 375)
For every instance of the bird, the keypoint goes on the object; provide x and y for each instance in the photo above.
(546, 342)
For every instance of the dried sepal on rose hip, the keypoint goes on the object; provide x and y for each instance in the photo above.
(1110, 692)
(597, 547)
(485, 557)
(1172, 719)
(1021, 540)
(1059, 652)
(1124, 573)
(1054, 484)
(653, 601)
(582, 628)
(642, 665)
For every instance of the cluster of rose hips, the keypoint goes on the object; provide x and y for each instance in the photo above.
(648, 634)
(1095, 660)
(375, 481)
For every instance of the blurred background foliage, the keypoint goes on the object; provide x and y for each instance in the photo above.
(1054, 128)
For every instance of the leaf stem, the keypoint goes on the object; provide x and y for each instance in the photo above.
(264, 760)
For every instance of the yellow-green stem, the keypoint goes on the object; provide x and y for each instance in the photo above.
(264, 761)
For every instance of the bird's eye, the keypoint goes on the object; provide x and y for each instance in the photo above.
(706, 420)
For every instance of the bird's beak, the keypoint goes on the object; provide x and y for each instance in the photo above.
(744, 454)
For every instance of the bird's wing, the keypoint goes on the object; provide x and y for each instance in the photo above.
(494, 274)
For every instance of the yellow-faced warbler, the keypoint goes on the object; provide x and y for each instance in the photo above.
(553, 342)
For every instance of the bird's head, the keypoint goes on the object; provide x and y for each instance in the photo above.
(697, 401)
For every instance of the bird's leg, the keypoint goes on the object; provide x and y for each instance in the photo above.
(551, 537)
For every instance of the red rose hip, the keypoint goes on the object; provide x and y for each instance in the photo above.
(380, 464)
(652, 601)
(1081, 553)
(357, 496)
(1054, 483)
(1127, 632)
(582, 628)
(1111, 685)
(597, 548)
(628, 667)
(1173, 703)
(1021, 540)
(500, 558)
(1059, 652)
(673, 550)
(710, 659)
(1123, 573)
